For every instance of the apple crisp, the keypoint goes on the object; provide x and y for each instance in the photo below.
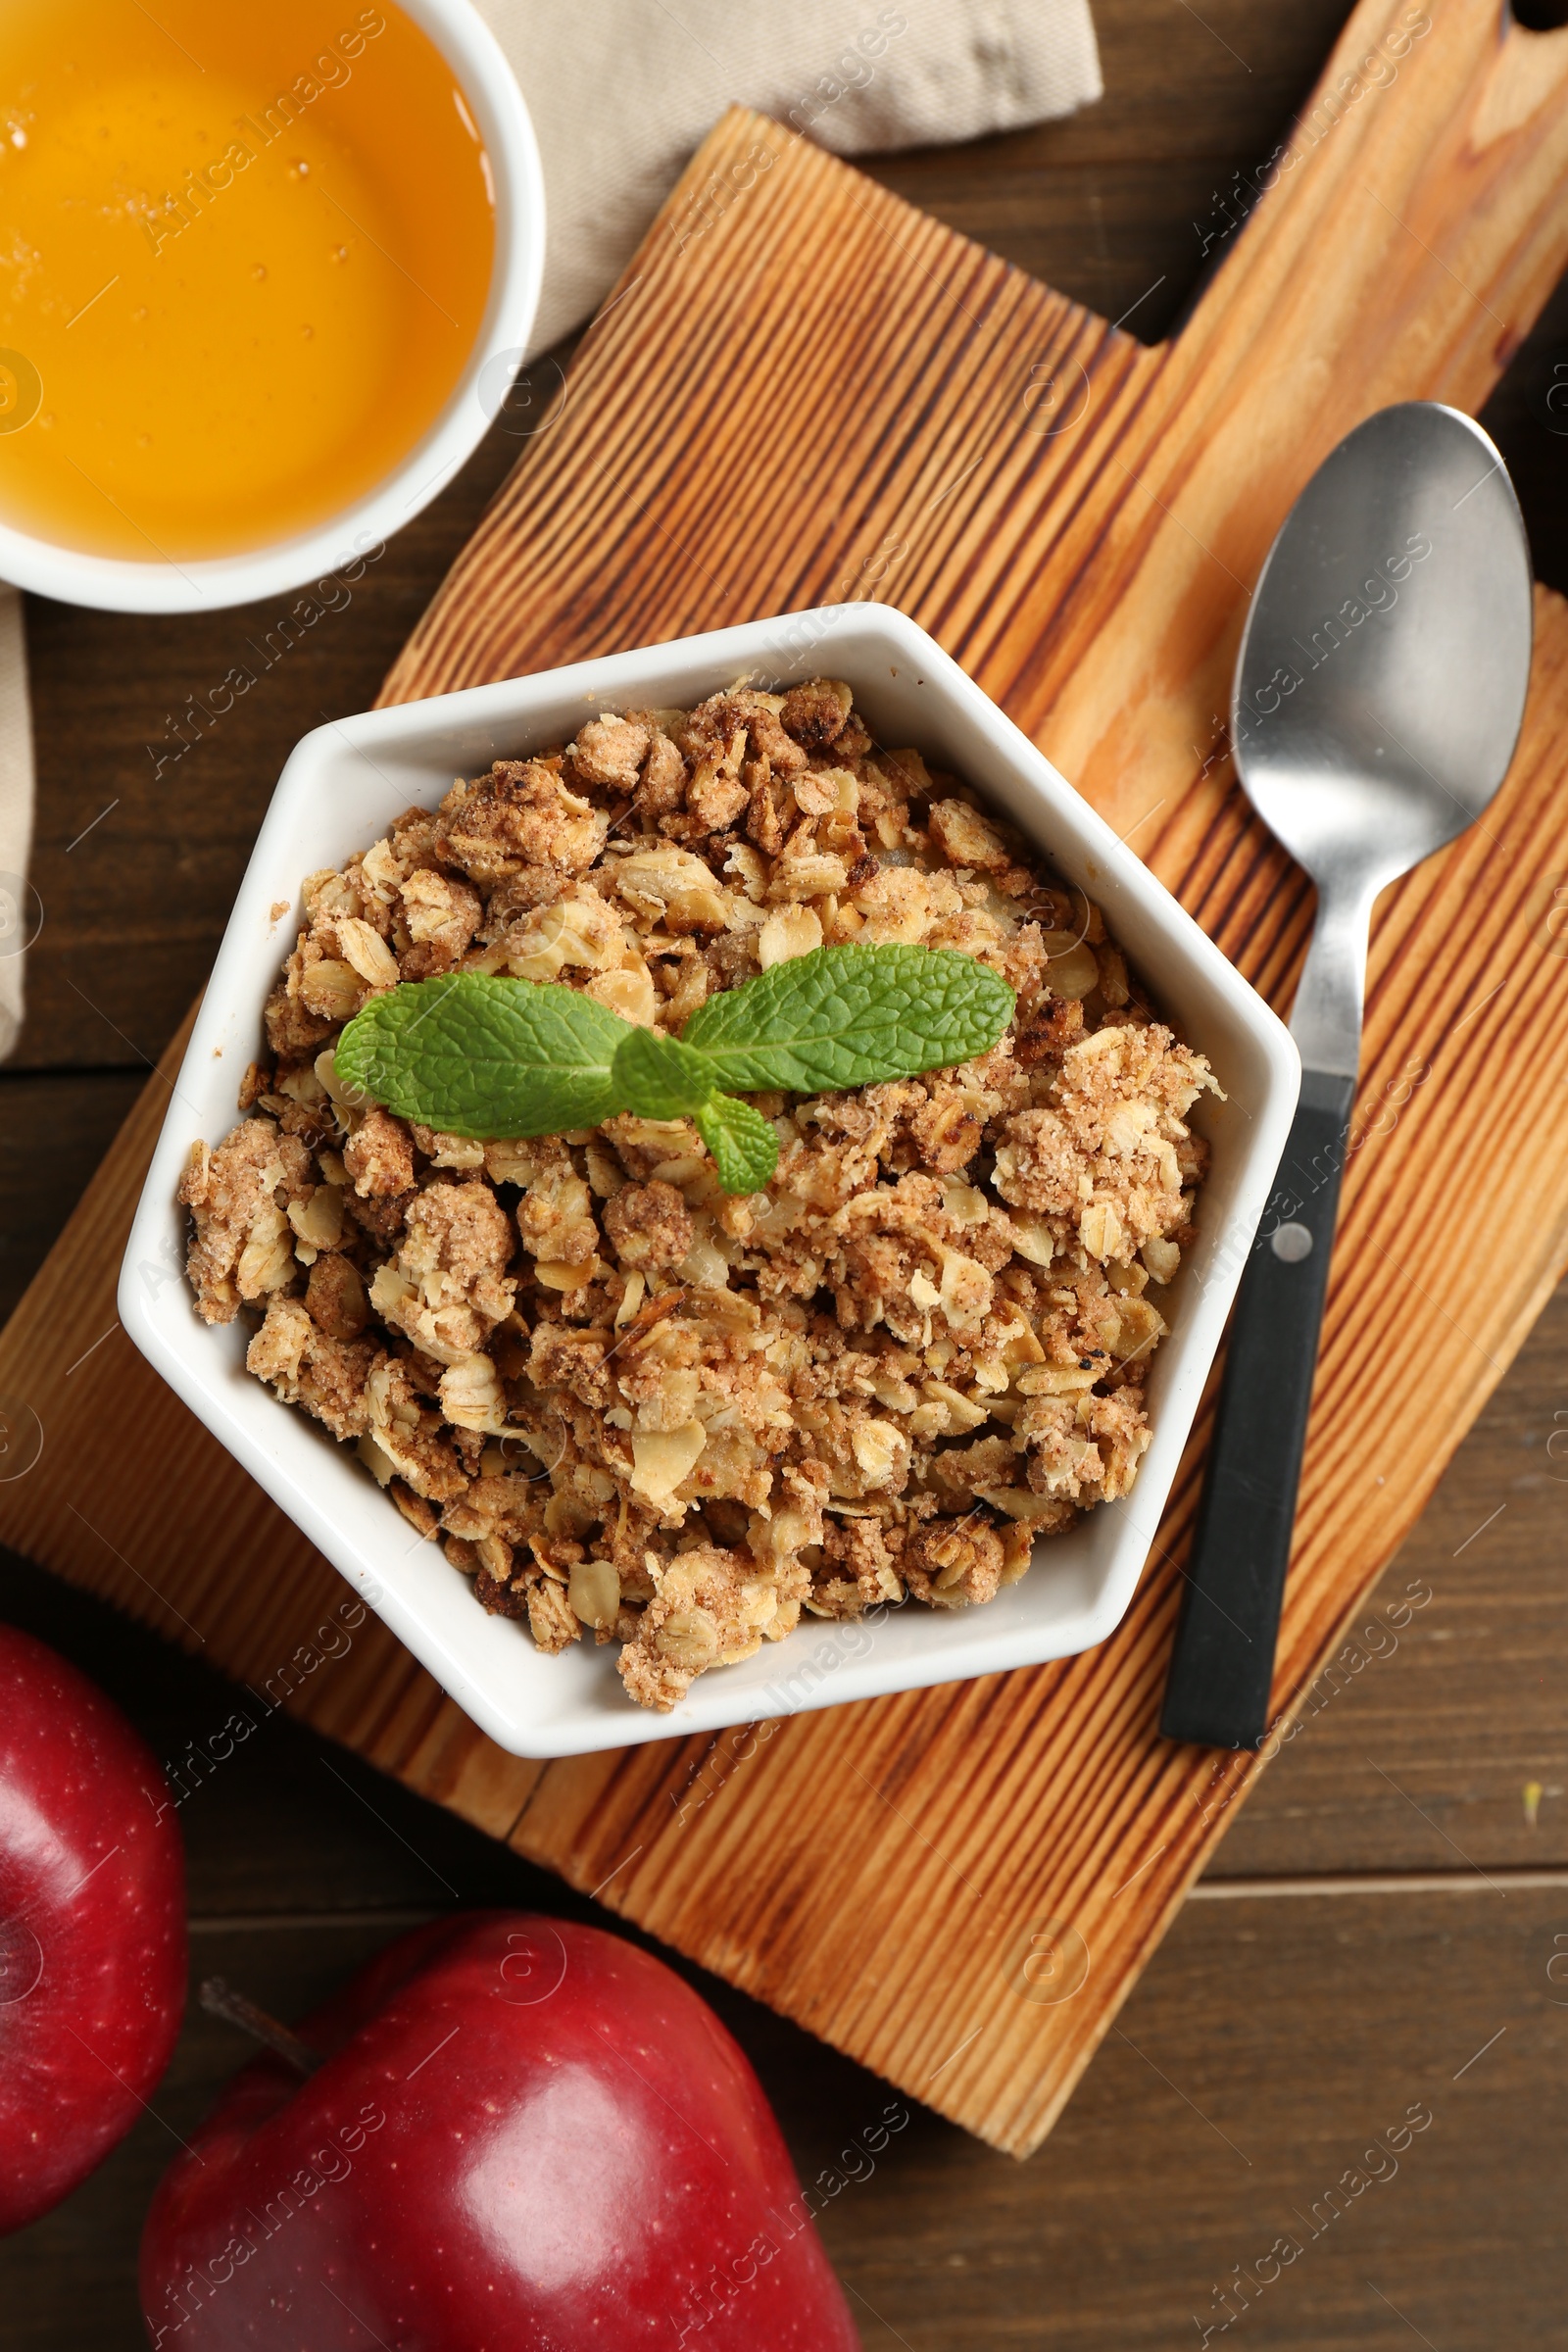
(630, 1405)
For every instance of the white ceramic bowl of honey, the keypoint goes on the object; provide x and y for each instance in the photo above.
(276, 268)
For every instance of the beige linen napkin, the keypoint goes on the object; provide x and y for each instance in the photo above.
(621, 92)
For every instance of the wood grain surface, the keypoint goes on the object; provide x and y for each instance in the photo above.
(750, 427)
(1281, 2006)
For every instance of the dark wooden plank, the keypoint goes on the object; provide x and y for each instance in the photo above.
(287, 1823)
(55, 1128)
(1266, 2046)
(1528, 419)
(1116, 205)
(1211, 83)
(1459, 1711)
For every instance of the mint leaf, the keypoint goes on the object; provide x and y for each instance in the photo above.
(743, 1143)
(483, 1056)
(850, 1016)
(657, 1077)
(477, 1055)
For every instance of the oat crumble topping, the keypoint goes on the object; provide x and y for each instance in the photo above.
(630, 1405)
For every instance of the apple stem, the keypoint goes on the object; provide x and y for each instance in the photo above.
(219, 1999)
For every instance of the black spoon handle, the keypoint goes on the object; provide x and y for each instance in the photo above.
(1222, 1666)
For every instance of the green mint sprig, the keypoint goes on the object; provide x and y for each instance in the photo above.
(476, 1055)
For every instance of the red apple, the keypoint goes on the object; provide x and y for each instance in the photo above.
(92, 1927)
(526, 2137)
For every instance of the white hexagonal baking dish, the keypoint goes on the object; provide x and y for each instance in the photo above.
(337, 793)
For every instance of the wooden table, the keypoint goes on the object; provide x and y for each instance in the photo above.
(1382, 1924)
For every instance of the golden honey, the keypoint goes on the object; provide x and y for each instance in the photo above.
(245, 249)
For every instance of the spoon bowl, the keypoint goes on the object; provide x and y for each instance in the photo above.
(1381, 682)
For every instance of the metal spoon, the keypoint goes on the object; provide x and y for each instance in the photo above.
(1378, 699)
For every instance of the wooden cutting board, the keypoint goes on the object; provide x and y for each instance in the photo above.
(806, 391)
